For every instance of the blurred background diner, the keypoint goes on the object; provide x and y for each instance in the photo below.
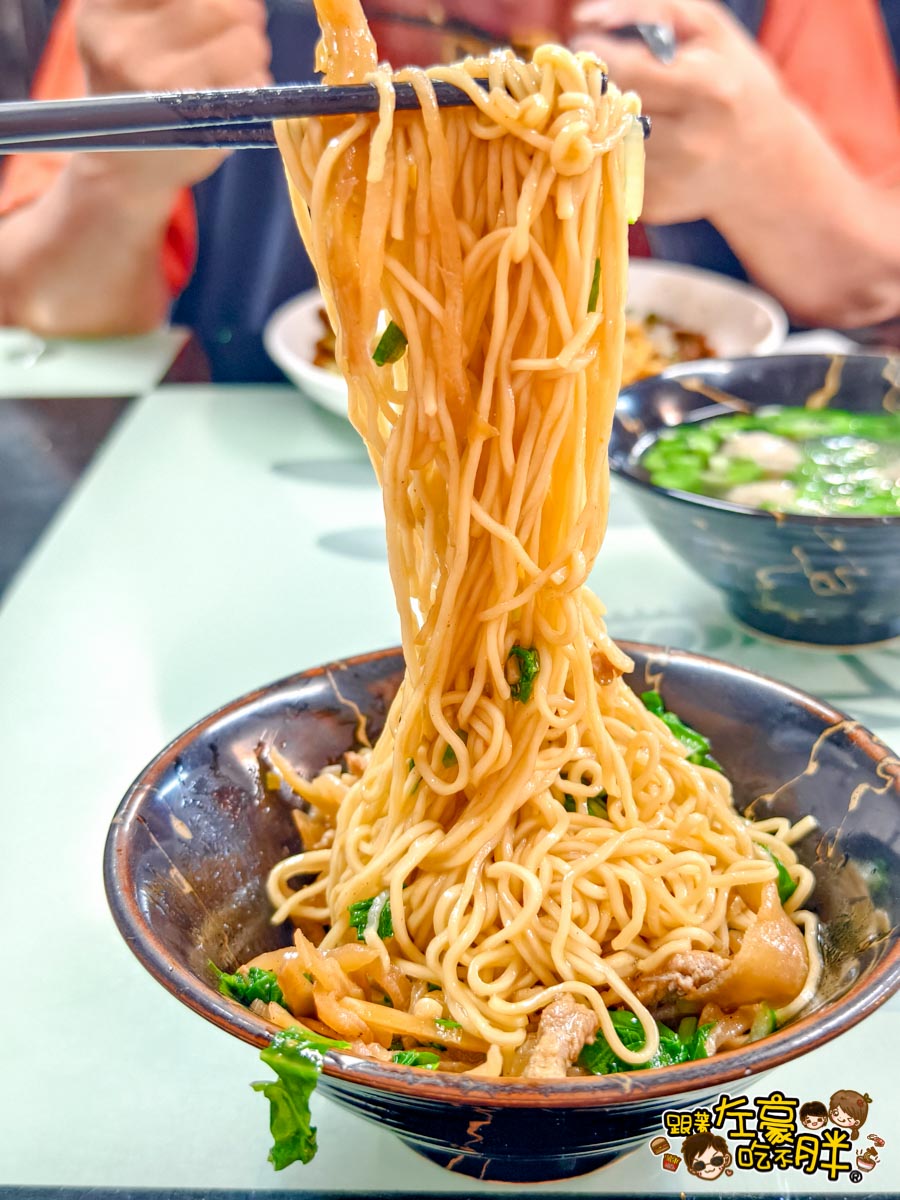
(776, 135)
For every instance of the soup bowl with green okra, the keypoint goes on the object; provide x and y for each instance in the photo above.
(778, 480)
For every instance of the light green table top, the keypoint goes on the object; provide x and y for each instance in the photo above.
(123, 366)
(184, 571)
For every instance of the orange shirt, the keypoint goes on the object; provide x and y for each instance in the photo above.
(833, 57)
(27, 176)
(835, 60)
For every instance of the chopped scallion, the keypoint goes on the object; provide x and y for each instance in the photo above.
(416, 1058)
(595, 288)
(529, 663)
(785, 882)
(391, 346)
(359, 917)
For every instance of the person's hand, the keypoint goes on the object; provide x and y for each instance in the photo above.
(717, 110)
(169, 45)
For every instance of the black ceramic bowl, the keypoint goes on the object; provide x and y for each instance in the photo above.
(828, 580)
(191, 844)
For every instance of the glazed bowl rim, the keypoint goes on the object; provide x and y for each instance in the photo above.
(795, 1038)
(618, 464)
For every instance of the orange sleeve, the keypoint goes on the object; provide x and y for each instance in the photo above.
(834, 58)
(27, 176)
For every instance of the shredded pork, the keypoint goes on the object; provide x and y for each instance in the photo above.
(563, 1029)
(770, 965)
(683, 975)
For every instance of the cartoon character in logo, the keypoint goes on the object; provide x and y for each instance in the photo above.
(814, 1115)
(849, 1110)
(705, 1155)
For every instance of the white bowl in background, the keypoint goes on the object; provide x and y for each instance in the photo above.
(733, 317)
(736, 319)
(290, 338)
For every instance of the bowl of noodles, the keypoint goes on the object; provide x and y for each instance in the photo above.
(205, 826)
(778, 480)
(515, 889)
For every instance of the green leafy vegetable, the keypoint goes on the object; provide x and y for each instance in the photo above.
(878, 877)
(391, 346)
(785, 882)
(698, 745)
(595, 288)
(416, 1058)
(449, 755)
(598, 1056)
(764, 1023)
(723, 472)
(653, 702)
(296, 1057)
(359, 917)
(596, 805)
(529, 662)
(696, 1047)
(257, 984)
(447, 1023)
(687, 1027)
(410, 767)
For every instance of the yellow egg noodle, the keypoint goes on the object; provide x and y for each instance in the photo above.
(495, 237)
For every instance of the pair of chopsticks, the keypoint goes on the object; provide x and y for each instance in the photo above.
(235, 118)
(232, 118)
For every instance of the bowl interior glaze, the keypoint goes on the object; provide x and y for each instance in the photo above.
(190, 846)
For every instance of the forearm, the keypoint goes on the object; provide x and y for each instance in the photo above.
(810, 231)
(85, 259)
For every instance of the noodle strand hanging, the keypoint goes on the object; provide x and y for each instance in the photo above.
(528, 848)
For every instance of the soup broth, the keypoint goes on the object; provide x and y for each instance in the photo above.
(829, 462)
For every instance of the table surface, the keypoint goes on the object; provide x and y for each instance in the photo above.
(221, 539)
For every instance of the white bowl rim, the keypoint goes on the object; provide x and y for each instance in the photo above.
(330, 391)
(779, 325)
(324, 387)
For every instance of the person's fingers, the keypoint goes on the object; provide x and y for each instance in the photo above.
(633, 69)
(238, 57)
(213, 43)
(254, 13)
(688, 18)
(194, 21)
(170, 22)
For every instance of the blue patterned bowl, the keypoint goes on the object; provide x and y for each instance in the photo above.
(826, 580)
(192, 842)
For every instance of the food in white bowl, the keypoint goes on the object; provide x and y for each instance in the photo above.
(291, 338)
(673, 300)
